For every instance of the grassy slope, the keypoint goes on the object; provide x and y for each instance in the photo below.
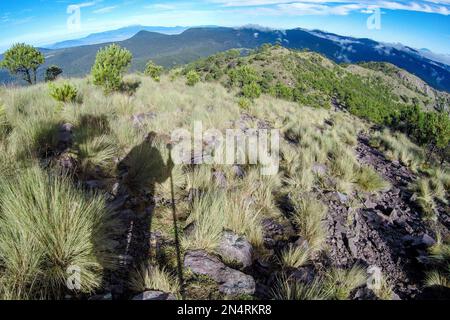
(321, 136)
(320, 78)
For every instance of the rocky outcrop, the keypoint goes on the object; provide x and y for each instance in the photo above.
(154, 295)
(231, 282)
(236, 249)
(387, 231)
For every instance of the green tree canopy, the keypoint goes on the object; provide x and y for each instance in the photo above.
(109, 67)
(24, 60)
(52, 72)
(154, 71)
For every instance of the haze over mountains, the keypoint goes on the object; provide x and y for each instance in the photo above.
(169, 47)
(114, 35)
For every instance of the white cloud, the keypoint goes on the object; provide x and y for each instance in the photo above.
(339, 7)
(104, 10)
(160, 6)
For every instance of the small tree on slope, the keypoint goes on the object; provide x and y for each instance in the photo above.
(24, 60)
(109, 67)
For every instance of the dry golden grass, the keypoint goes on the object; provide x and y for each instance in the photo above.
(106, 134)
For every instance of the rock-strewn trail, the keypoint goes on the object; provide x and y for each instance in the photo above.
(386, 232)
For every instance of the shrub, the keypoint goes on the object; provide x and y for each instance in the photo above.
(282, 91)
(207, 216)
(429, 190)
(440, 254)
(153, 278)
(192, 78)
(340, 283)
(154, 71)
(251, 90)
(35, 138)
(308, 215)
(369, 180)
(240, 217)
(425, 197)
(244, 103)
(398, 147)
(291, 289)
(98, 152)
(243, 75)
(24, 60)
(64, 93)
(343, 162)
(109, 67)
(52, 72)
(437, 278)
(47, 228)
(295, 256)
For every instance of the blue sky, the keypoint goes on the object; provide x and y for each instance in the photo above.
(420, 24)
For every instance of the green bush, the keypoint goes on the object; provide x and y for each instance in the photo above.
(282, 91)
(48, 230)
(243, 76)
(192, 78)
(52, 72)
(154, 71)
(64, 93)
(251, 90)
(109, 67)
(244, 103)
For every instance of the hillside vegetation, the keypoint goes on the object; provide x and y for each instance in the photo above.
(87, 183)
(195, 43)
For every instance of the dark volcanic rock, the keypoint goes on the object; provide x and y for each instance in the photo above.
(155, 295)
(275, 232)
(231, 282)
(235, 248)
(387, 232)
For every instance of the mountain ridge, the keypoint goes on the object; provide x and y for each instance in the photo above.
(195, 43)
(113, 35)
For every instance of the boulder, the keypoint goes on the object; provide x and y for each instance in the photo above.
(319, 169)
(155, 295)
(94, 184)
(231, 282)
(220, 179)
(370, 204)
(102, 297)
(235, 248)
(275, 232)
(424, 240)
(304, 274)
(342, 198)
(140, 119)
(66, 162)
(238, 171)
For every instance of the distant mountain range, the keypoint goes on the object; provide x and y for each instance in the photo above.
(113, 36)
(179, 48)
